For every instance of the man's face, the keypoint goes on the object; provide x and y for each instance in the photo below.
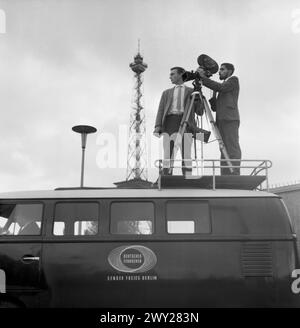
(224, 73)
(175, 77)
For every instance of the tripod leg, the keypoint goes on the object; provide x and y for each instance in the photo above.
(195, 151)
(202, 152)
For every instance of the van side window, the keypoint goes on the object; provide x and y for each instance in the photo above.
(21, 219)
(132, 218)
(249, 216)
(76, 219)
(187, 217)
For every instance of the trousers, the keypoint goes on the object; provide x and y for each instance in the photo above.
(171, 128)
(229, 131)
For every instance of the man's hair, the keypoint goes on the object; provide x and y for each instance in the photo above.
(229, 67)
(180, 70)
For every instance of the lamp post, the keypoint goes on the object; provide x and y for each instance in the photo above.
(84, 130)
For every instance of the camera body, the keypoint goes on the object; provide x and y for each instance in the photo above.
(190, 76)
(209, 66)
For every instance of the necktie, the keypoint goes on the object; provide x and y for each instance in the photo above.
(179, 95)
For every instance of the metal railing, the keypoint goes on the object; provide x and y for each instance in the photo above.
(250, 167)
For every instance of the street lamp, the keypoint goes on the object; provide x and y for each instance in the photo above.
(84, 130)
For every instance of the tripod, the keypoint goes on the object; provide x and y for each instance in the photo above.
(184, 122)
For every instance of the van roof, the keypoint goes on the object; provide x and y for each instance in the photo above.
(132, 193)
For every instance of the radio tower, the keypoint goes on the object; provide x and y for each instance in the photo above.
(137, 174)
(137, 155)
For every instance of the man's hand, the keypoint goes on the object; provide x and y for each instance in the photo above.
(201, 72)
(157, 132)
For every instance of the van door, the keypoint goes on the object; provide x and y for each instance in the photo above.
(20, 252)
(72, 259)
(78, 253)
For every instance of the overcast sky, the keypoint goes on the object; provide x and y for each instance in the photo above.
(66, 62)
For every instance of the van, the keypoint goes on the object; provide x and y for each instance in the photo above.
(167, 247)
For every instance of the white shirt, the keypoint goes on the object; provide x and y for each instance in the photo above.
(174, 109)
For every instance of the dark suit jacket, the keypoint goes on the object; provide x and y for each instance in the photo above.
(166, 103)
(227, 100)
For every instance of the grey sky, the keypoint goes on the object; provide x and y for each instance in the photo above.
(67, 62)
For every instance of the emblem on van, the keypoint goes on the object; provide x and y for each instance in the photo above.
(132, 259)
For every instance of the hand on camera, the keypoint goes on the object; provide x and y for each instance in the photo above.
(201, 72)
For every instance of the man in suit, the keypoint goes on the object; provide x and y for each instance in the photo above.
(173, 103)
(227, 113)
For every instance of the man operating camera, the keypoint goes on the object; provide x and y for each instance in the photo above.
(227, 113)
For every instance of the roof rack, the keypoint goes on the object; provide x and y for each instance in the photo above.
(83, 188)
(255, 172)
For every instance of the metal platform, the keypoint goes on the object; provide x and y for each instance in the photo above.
(243, 182)
(254, 174)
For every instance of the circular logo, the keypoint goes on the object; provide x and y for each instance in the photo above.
(132, 259)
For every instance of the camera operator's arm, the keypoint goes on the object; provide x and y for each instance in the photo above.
(227, 86)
